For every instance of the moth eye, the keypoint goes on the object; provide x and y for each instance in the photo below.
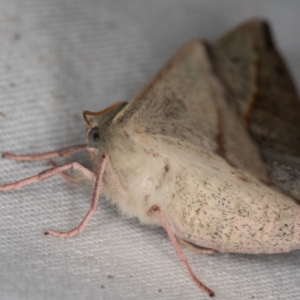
(93, 136)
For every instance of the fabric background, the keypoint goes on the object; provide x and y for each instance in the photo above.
(58, 58)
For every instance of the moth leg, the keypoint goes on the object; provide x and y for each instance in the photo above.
(93, 205)
(195, 248)
(42, 175)
(87, 173)
(62, 152)
(39, 156)
(56, 170)
(179, 251)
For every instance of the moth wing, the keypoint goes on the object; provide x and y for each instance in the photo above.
(256, 74)
(186, 103)
(284, 171)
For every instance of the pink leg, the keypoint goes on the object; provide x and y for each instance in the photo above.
(41, 176)
(60, 169)
(62, 152)
(93, 206)
(180, 252)
(88, 174)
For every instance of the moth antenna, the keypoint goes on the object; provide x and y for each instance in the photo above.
(98, 113)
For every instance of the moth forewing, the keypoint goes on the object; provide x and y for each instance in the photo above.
(263, 88)
(187, 102)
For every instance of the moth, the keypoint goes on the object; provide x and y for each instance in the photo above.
(208, 149)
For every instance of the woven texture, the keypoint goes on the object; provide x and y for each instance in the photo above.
(58, 58)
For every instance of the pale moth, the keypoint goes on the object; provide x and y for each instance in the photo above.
(208, 150)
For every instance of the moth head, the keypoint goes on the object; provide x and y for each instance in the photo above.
(97, 125)
(93, 136)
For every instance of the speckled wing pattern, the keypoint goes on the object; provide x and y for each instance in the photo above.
(188, 102)
(257, 76)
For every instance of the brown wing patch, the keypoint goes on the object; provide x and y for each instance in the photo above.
(256, 74)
